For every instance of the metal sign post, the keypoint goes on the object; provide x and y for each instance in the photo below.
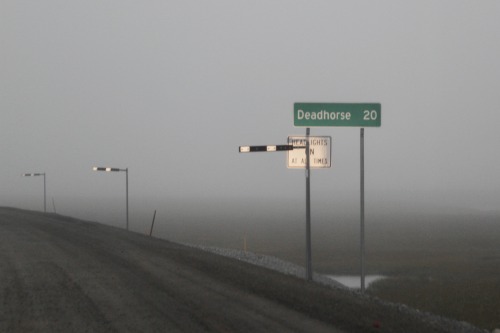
(126, 190)
(308, 210)
(362, 206)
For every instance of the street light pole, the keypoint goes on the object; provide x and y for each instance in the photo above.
(107, 169)
(44, 187)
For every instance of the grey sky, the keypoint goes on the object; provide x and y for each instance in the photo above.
(170, 89)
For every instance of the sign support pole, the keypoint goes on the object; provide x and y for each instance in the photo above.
(126, 189)
(362, 205)
(308, 210)
(44, 193)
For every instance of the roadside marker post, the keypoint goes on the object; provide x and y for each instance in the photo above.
(344, 115)
(152, 224)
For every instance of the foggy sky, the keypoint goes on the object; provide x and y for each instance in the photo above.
(170, 89)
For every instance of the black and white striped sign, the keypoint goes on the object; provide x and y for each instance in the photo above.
(250, 149)
(107, 169)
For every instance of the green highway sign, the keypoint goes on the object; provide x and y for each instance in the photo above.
(337, 114)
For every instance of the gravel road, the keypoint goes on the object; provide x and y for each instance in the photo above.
(59, 274)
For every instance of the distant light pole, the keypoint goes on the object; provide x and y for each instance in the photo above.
(126, 180)
(44, 187)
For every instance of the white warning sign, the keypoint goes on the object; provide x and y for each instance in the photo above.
(320, 151)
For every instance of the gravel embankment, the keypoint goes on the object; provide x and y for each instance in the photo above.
(288, 268)
(269, 262)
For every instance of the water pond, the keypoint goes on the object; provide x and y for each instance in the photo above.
(354, 281)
